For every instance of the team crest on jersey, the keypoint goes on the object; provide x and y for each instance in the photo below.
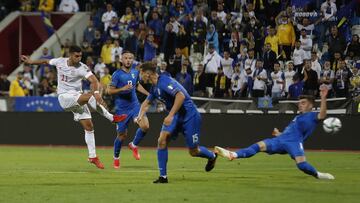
(170, 87)
(133, 75)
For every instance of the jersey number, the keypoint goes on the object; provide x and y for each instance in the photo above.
(64, 78)
(195, 138)
(129, 82)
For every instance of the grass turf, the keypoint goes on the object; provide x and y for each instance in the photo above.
(54, 174)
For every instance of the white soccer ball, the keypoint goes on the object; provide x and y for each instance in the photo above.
(332, 125)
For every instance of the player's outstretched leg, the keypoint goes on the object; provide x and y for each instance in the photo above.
(117, 149)
(242, 153)
(102, 110)
(307, 168)
(203, 152)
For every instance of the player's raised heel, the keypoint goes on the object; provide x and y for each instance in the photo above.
(119, 118)
(135, 151)
(96, 162)
(224, 153)
(161, 180)
(211, 163)
(116, 163)
(325, 176)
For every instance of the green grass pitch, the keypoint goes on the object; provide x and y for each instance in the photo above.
(56, 174)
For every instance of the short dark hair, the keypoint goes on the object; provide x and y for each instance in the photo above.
(148, 66)
(310, 98)
(74, 48)
(126, 52)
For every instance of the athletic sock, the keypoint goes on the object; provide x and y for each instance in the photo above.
(205, 153)
(307, 168)
(162, 155)
(100, 109)
(248, 152)
(117, 147)
(138, 136)
(90, 142)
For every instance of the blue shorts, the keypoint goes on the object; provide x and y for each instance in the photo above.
(131, 115)
(190, 129)
(278, 146)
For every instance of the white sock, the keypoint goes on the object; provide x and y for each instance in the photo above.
(100, 109)
(234, 154)
(90, 141)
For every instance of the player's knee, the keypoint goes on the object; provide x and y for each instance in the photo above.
(121, 136)
(161, 143)
(145, 127)
(194, 151)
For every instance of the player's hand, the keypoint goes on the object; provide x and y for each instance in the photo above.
(138, 119)
(25, 59)
(99, 99)
(127, 87)
(168, 120)
(275, 132)
(323, 91)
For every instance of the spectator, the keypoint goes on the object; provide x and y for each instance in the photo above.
(310, 79)
(89, 32)
(269, 58)
(298, 57)
(259, 77)
(183, 41)
(106, 51)
(353, 47)
(256, 30)
(306, 44)
(131, 42)
(30, 80)
(26, 6)
(212, 37)
(199, 81)
(169, 42)
(238, 83)
(234, 45)
(46, 5)
(65, 48)
(17, 87)
(184, 78)
(116, 50)
(289, 74)
(327, 77)
(296, 89)
(221, 84)
(105, 80)
(126, 18)
(68, 6)
(107, 16)
(336, 42)
(156, 24)
(114, 65)
(273, 40)
(315, 65)
(163, 69)
(307, 26)
(251, 60)
(355, 80)
(199, 34)
(335, 62)
(211, 64)
(328, 10)
(113, 29)
(227, 65)
(96, 44)
(86, 50)
(99, 68)
(150, 48)
(278, 82)
(41, 68)
(286, 34)
(342, 80)
(4, 85)
(45, 89)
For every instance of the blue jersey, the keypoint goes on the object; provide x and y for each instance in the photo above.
(300, 128)
(125, 99)
(165, 91)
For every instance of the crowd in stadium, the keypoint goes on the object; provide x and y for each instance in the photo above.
(214, 48)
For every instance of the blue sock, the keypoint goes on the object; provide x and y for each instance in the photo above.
(205, 153)
(162, 156)
(248, 152)
(117, 147)
(307, 168)
(138, 136)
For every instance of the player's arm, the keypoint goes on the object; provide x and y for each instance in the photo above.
(141, 89)
(94, 86)
(179, 100)
(114, 90)
(276, 132)
(27, 60)
(323, 107)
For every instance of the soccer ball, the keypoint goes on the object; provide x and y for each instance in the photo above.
(332, 125)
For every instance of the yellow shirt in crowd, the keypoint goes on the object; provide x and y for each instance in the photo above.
(274, 41)
(286, 34)
(16, 90)
(106, 53)
(105, 80)
(46, 5)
